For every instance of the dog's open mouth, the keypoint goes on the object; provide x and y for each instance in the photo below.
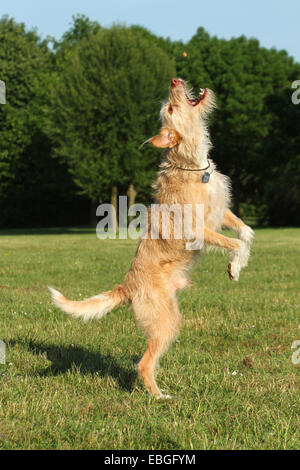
(177, 82)
(196, 101)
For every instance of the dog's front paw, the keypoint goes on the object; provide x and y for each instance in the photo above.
(239, 259)
(247, 234)
(244, 255)
(233, 272)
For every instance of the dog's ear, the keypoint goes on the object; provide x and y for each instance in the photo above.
(167, 138)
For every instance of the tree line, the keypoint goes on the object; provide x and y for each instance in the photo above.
(78, 109)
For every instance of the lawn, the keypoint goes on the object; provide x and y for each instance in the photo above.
(71, 385)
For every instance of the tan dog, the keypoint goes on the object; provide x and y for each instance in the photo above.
(158, 268)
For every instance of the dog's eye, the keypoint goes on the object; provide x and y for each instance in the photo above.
(170, 109)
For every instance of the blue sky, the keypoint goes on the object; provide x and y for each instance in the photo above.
(274, 22)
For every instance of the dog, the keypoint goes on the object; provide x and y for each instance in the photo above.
(159, 267)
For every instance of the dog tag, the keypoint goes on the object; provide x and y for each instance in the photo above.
(205, 177)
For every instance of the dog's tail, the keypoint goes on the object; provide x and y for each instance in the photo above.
(94, 307)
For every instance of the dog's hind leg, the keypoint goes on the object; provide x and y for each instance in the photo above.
(161, 322)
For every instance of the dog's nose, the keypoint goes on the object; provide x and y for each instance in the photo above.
(175, 82)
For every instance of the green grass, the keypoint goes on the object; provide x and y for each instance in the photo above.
(70, 385)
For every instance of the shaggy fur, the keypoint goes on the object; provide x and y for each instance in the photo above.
(159, 266)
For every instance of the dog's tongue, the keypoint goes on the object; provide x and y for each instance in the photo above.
(202, 95)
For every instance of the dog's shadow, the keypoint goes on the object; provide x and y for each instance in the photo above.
(74, 358)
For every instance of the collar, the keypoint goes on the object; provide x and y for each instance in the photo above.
(192, 169)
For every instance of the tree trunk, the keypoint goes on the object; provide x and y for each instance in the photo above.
(114, 203)
(131, 193)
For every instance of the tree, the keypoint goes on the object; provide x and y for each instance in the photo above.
(244, 75)
(103, 105)
(21, 77)
(281, 163)
(80, 29)
(35, 190)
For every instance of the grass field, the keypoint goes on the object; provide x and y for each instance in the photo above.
(70, 385)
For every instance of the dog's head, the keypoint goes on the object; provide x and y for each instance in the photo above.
(182, 115)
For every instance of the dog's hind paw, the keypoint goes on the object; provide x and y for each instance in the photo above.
(162, 396)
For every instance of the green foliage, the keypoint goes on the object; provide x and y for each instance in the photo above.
(281, 162)
(80, 29)
(23, 60)
(104, 104)
(34, 189)
(246, 78)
